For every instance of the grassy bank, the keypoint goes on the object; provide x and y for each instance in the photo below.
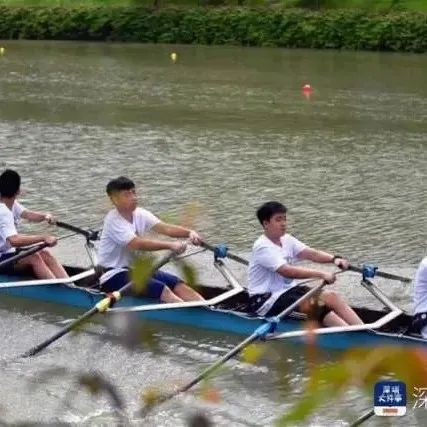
(344, 29)
(371, 5)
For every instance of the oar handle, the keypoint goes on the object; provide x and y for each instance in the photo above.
(222, 252)
(23, 254)
(89, 234)
(382, 274)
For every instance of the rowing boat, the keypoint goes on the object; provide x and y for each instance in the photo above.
(225, 309)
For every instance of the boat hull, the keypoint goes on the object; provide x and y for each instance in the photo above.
(217, 319)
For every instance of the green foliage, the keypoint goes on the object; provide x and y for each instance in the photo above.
(343, 29)
(141, 272)
(360, 368)
(371, 5)
(188, 273)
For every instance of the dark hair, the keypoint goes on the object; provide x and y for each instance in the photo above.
(10, 182)
(267, 210)
(119, 184)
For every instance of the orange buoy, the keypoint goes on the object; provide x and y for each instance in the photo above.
(307, 91)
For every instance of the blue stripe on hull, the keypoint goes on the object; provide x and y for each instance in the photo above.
(200, 317)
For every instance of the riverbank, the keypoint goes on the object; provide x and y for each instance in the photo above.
(367, 5)
(289, 28)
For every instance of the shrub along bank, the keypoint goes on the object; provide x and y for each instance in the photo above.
(294, 28)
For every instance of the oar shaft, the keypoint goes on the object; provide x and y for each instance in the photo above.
(288, 310)
(73, 228)
(23, 254)
(363, 418)
(382, 274)
(229, 254)
(238, 259)
(236, 350)
(38, 348)
(101, 306)
(257, 334)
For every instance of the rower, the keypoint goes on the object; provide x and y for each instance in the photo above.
(419, 323)
(43, 264)
(271, 275)
(122, 235)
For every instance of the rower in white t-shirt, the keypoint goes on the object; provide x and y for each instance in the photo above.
(43, 264)
(123, 234)
(419, 324)
(271, 275)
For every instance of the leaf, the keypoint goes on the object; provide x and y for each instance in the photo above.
(199, 420)
(91, 382)
(141, 272)
(188, 273)
(210, 394)
(252, 353)
(151, 396)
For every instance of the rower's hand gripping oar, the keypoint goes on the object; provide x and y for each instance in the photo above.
(32, 250)
(221, 251)
(89, 234)
(370, 271)
(101, 307)
(260, 333)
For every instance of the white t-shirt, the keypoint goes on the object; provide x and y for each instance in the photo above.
(265, 260)
(9, 220)
(117, 232)
(420, 288)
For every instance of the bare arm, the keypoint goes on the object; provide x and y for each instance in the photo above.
(171, 230)
(138, 243)
(315, 255)
(323, 257)
(34, 216)
(294, 272)
(19, 240)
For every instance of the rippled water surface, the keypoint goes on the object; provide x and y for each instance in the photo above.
(224, 129)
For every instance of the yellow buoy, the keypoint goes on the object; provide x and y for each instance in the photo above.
(2, 50)
(174, 56)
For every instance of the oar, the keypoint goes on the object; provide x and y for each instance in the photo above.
(383, 274)
(100, 307)
(23, 254)
(259, 333)
(221, 251)
(89, 234)
(363, 418)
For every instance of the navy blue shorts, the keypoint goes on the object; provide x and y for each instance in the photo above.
(154, 288)
(8, 269)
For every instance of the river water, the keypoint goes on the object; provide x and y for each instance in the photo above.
(214, 134)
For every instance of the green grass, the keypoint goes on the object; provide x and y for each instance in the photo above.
(73, 3)
(414, 5)
(67, 3)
